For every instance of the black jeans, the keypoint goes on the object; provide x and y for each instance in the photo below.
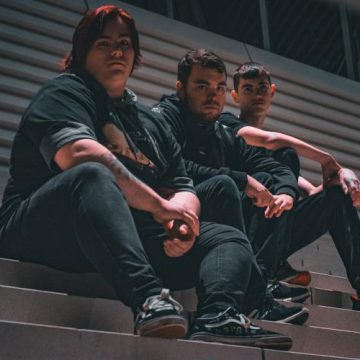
(330, 210)
(221, 201)
(79, 221)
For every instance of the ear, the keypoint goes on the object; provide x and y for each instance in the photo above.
(180, 88)
(273, 90)
(235, 96)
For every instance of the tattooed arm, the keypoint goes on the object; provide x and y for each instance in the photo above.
(138, 195)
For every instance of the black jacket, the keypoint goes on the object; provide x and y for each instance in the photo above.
(213, 149)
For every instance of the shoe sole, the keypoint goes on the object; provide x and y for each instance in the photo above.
(169, 327)
(298, 299)
(300, 279)
(297, 319)
(280, 342)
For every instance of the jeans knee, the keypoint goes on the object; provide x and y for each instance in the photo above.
(89, 174)
(335, 194)
(89, 171)
(226, 186)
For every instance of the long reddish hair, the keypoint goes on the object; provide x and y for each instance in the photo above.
(89, 30)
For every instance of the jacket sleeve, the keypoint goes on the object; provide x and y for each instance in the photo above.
(252, 160)
(201, 173)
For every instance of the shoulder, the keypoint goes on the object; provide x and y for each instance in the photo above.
(232, 121)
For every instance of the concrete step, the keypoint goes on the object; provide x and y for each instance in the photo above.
(22, 341)
(326, 290)
(56, 309)
(50, 308)
(333, 318)
(35, 276)
(317, 340)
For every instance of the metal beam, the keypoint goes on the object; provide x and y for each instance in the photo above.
(170, 9)
(264, 25)
(347, 42)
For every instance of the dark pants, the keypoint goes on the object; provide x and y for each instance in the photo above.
(79, 221)
(330, 210)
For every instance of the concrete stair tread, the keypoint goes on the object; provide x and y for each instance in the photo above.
(30, 341)
(18, 273)
(22, 304)
(61, 310)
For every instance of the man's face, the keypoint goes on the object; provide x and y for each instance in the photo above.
(254, 95)
(204, 92)
(111, 57)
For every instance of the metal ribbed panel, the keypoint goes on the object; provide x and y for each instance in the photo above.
(311, 104)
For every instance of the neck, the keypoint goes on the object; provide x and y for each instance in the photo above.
(253, 119)
(116, 93)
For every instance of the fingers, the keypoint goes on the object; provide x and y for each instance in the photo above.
(191, 219)
(176, 247)
(277, 207)
(355, 197)
(263, 199)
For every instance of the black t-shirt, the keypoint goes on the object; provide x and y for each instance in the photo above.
(75, 106)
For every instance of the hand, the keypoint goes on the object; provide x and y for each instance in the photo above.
(181, 239)
(179, 230)
(330, 168)
(168, 211)
(350, 184)
(259, 194)
(281, 203)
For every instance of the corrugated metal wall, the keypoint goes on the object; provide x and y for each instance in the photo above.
(311, 104)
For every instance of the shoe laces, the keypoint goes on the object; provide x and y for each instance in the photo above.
(231, 313)
(162, 300)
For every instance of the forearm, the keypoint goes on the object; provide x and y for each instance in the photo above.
(138, 195)
(275, 140)
(306, 185)
(301, 147)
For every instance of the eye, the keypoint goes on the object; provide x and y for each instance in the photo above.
(201, 87)
(221, 89)
(103, 44)
(124, 44)
(247, 90)
(264, 88)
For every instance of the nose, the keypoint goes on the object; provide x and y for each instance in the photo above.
(117, 52)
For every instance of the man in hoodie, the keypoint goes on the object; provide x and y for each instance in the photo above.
(212, 148)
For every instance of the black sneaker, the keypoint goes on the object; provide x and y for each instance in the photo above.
(160, 316)
(355, 302)
(231, 327)
(277, 312)
(281, 291)
(292, 276)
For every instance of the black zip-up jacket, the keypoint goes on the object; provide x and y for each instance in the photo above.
(213, 149)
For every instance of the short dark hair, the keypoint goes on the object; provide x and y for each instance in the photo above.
(90, 29)
(250, 70)
(202, 57)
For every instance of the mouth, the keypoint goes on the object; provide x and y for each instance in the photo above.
(211, 106)
(117, 63)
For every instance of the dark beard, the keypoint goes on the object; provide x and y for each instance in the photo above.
(198, 117)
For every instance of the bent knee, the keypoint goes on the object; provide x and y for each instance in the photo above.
(226, 184)
(91, 171)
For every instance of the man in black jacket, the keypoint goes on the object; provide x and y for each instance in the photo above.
(211, 148)
(98, 184)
